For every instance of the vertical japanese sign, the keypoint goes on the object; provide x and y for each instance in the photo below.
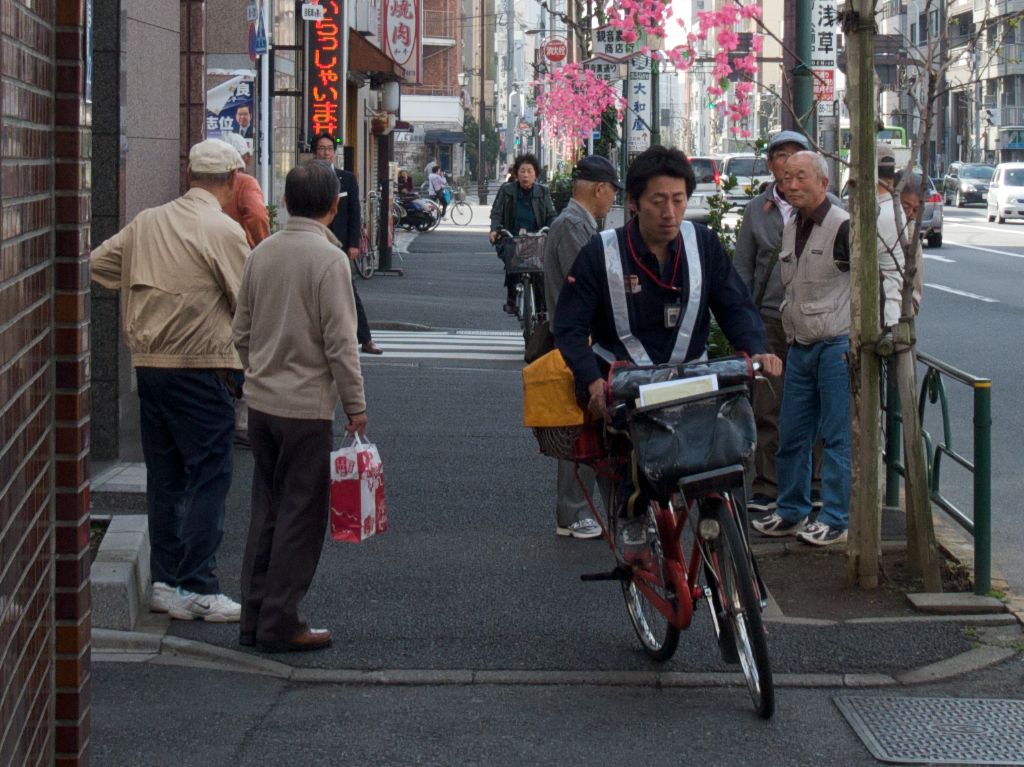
(402, 33)
(326, 67)
(824, 24)
(638, 97)
(229, 108)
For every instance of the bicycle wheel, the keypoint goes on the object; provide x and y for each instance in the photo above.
(366, 265)
(737, 608)
(657, 635)
(528, 316)
(462, 214)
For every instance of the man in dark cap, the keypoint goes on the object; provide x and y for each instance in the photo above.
(757, 261)
(594, 183)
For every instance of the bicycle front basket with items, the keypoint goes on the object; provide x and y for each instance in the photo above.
(527, 256)
(677, 434)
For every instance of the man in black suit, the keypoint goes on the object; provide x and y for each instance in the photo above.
(345, 227)
(243, 117)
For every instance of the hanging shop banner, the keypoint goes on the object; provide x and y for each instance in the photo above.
(638, 97)
(326, 71)
(824, 27)
(230, 109)
(402, 33)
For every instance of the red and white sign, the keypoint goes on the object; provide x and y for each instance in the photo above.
(555, 49)
(402, 35)
(824, 85)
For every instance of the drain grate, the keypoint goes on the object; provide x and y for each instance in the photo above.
(938, 730)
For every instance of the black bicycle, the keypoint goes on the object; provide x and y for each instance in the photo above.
(524, 259)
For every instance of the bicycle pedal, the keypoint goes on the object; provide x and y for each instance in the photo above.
(617, 574)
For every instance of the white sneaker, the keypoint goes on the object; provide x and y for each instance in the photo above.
(160, 600)
(581, 528)
(213, 608)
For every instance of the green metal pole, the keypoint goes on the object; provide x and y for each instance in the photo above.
(893, 436)
(982, 487)
(803, 83)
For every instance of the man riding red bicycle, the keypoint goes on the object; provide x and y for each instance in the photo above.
(645, 293)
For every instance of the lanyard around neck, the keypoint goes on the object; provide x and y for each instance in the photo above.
(655, 278)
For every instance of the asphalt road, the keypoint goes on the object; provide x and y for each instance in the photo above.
(972, 317)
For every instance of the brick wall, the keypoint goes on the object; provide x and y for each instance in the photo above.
(43, 387)
(193, 78)
(26, 404)
(72, 177)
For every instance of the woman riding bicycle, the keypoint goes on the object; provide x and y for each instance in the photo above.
(522, 204)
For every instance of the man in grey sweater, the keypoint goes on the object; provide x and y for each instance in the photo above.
(757, 261)
(295, 331)
(594, 182)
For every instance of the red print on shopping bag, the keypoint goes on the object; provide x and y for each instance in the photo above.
(358, 505)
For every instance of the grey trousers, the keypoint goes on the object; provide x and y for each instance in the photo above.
(571, 505)
(290, 506)
(767, 404)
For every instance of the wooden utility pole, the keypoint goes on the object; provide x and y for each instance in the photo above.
(864, 543)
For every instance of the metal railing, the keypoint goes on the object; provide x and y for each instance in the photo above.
(933, 391)
(439, 24)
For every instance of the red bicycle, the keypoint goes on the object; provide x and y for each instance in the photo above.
(685, 458)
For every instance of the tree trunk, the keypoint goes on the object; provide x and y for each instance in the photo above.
(864, 543)
(921, 549)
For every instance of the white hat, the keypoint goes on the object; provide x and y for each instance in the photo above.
(239, 144)
(214, 156)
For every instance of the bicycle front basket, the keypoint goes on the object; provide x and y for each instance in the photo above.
(528, 255)
(693, 435)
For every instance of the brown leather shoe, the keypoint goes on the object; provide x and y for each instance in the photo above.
(371, 348)
(310, 639)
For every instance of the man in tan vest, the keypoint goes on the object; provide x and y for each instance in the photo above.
(815, 269)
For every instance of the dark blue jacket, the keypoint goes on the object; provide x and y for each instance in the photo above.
(584, 308)
(346, 224)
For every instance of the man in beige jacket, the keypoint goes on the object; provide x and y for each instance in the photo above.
(295, 330)
(178, 268)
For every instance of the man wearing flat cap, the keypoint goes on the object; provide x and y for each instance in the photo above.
(178, 268)
(594, 182)
(757, 261)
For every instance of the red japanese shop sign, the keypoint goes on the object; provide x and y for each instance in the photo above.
(326, 60)
(402, 35)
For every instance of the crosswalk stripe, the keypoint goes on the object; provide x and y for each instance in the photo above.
(451, 345)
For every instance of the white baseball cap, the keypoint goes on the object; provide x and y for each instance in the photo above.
(214, 156)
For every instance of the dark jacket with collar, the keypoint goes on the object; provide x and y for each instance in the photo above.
(503, 211)
(346, 224)
(584, 307)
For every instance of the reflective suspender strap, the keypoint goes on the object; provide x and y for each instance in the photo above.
(685, 332)
(617, 294)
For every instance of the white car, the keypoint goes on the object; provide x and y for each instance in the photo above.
(750, 172)
(1006, 192)
(705, 171)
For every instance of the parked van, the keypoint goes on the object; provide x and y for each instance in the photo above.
(750, 171)
(1006, 192)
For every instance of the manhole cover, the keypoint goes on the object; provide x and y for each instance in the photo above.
(938, 730)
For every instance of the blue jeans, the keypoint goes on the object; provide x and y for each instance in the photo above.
(187, 424)
(815, 402)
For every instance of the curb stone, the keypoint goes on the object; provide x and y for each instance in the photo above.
(177, 651)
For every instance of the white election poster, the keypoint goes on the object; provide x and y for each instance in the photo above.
(638, 98)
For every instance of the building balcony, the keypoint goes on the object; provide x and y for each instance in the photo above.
(439, 28)
(1011, 117)
(432, 90)
(1007, 60)
(996, 8)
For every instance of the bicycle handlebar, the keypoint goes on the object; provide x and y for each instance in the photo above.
(503, 233)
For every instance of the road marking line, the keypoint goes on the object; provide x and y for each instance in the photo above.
(986, 250)
(963, 293)
(943, 259)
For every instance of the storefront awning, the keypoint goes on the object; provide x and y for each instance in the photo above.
(367, 58)
(440, 136)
